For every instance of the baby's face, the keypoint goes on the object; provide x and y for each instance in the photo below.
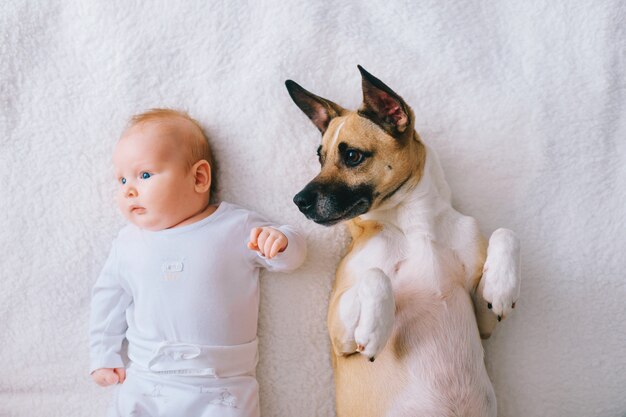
(153, 177)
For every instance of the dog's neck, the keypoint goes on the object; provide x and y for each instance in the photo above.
(420, 208)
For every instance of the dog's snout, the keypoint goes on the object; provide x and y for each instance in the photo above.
(305, 200)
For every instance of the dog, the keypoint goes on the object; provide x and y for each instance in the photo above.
(419, 285)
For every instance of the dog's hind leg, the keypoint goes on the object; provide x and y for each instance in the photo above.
(499, 286)
(343, 317)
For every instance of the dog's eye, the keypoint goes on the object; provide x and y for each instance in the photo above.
(319, 154)
(352, 157)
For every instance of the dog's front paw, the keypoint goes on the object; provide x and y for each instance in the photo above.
(377, 313)
(501, 273)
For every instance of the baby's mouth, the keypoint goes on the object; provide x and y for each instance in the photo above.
(137, 210)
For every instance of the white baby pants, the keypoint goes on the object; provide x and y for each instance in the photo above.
(186, 380)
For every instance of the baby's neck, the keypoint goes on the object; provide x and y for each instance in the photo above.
(196, 217)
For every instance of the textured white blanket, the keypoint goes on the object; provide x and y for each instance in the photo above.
(525, 102)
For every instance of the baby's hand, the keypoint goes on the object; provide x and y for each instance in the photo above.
(109, 376)
(267, 241)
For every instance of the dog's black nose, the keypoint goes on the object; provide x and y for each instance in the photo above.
(305, 200)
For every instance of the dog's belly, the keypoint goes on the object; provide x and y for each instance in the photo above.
(438, 341)
(432, 365)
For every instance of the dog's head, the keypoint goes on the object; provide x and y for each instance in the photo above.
(366, 156)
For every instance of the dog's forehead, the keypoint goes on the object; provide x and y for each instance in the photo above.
(353, 130)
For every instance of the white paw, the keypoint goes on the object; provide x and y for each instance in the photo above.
(501, 273)
(377, 313)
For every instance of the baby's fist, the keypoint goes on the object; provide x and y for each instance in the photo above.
(109, 376)
(267, 241)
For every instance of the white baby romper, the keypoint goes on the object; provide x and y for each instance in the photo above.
(186, 299)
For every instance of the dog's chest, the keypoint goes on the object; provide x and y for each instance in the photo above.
(384, 250)
(413, 259)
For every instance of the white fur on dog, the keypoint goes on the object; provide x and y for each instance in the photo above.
(501, 272)
(523, 101)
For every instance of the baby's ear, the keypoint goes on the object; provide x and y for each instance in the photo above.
(202, 174)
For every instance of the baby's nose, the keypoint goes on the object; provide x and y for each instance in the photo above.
(131, 192)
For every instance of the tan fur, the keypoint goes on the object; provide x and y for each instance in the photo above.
(387, 377)
(394, 162)
(412, 289)
(353, 375)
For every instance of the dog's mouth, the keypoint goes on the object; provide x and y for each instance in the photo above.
(331, 203)
(359, 207)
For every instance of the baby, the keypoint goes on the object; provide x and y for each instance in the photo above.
(181, 281)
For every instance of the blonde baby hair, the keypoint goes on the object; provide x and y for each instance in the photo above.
(199, 149)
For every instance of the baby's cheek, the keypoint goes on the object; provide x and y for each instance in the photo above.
(122, 207)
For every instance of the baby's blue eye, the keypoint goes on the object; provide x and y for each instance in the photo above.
(145, 175)
(123, 180)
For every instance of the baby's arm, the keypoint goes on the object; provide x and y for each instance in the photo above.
(109, 376)
(279, 248)
(268, 241)
(108, 326)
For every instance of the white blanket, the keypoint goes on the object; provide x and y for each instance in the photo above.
(524, 101)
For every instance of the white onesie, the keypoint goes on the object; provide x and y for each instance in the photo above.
(187, 301)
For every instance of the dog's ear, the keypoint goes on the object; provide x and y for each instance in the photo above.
(383, 106)
(319, 110)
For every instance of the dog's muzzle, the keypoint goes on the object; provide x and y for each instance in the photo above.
(327, 204)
